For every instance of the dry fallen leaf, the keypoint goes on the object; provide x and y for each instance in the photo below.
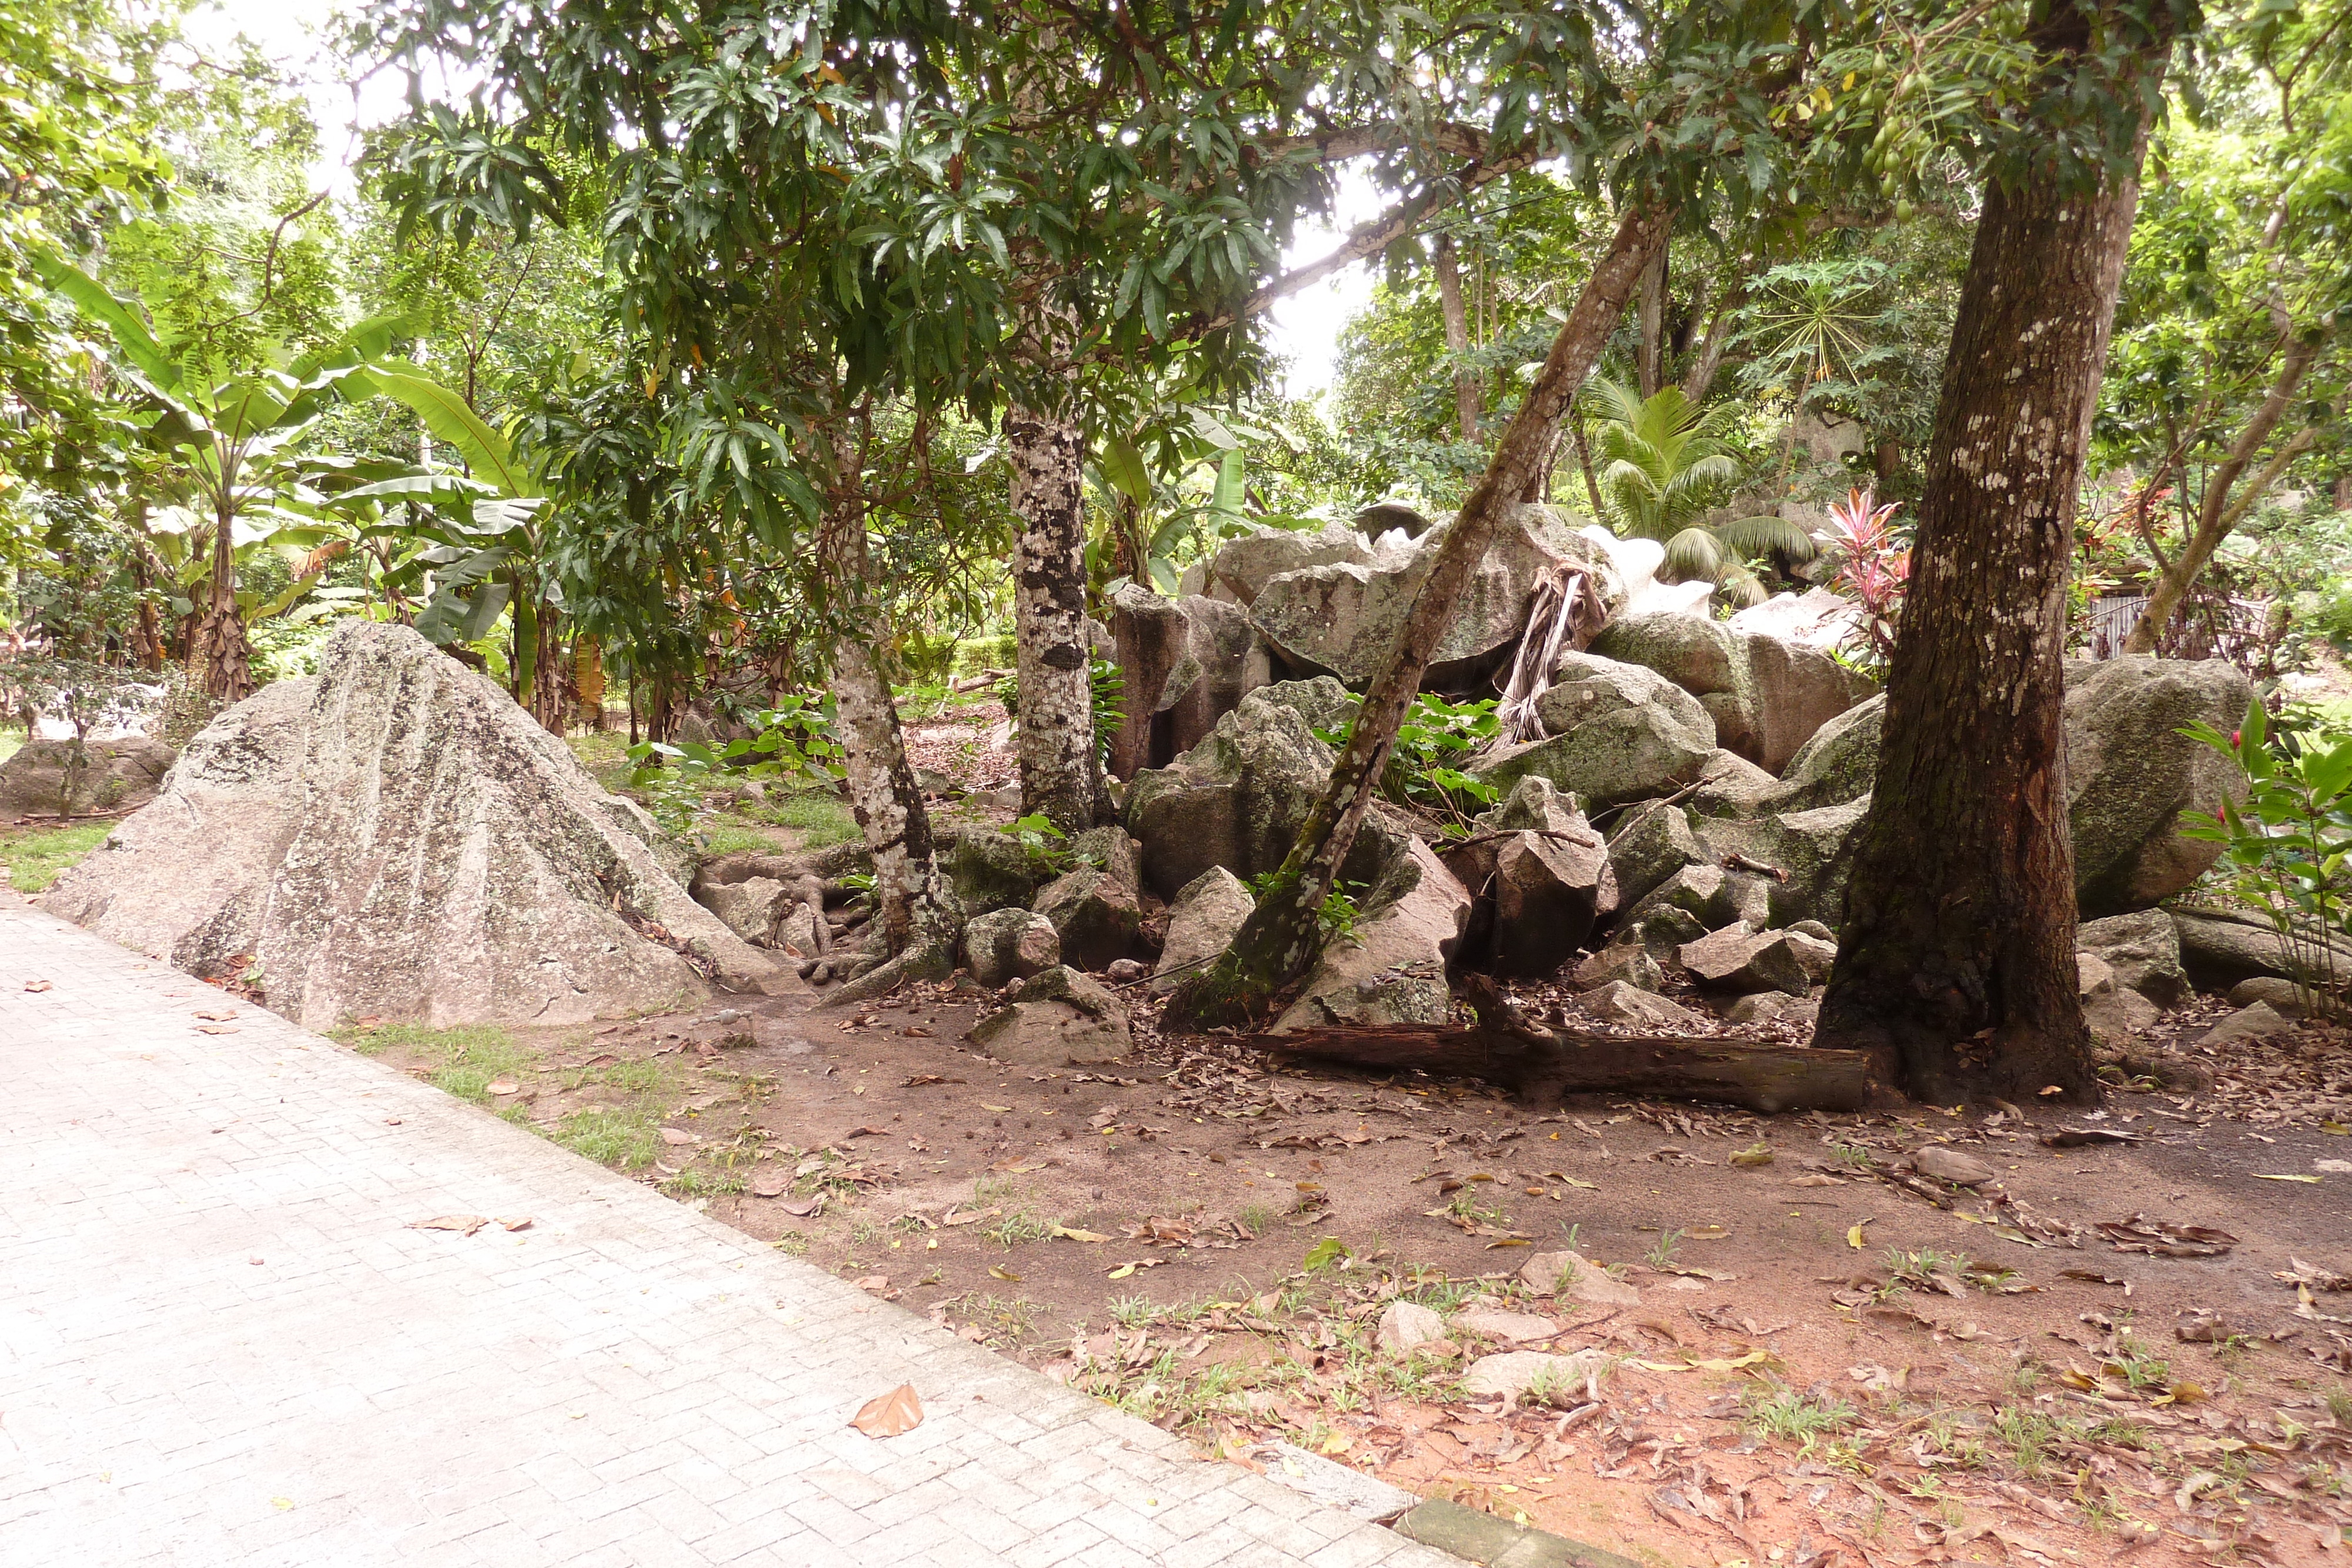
(1067, 1234)
(506, 1087)
(2312, 1180)
(222, 1016)
(675, 1136)
(216, 1029)
(986, 1106)
(894, 1413)
(467, 1223)
(38, 985)
(999, 1271)
(521, 1222)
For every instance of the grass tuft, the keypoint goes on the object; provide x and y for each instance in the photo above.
(35, 860)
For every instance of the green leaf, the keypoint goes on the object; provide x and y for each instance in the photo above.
(1122, 465)
(446, 415)
(93, 299)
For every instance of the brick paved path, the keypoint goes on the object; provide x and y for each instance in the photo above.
(220, 1341)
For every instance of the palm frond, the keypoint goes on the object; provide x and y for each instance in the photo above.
(1752, 537)
(1618, 401)
(1694, 554)
(1741, 586)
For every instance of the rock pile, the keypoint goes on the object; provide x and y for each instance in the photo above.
(396, 837)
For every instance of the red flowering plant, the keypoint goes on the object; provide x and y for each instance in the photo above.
(1872, 560)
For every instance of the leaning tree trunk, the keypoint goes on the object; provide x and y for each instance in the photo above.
(228, 656)
(913, 926)
(1457, 339)
(1955, 966)
(1283, 934)
(1060, 778)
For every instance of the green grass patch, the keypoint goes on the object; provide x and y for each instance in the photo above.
(465, 1061)
(822, 817)
(624, 1140)
(728, 838)
(34, 860)
(605, 753)
(10, 741)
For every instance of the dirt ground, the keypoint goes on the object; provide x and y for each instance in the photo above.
(1831, 1362)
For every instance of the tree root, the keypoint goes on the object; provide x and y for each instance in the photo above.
(925, 960)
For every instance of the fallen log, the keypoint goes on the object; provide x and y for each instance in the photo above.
(1541, 1064)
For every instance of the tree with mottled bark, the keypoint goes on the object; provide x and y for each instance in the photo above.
(1955, 966)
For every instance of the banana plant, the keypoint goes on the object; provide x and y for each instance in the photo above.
(485, 531)
(240, 437)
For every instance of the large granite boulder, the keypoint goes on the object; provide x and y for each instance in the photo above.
(1008, 945)
(1342, 619)
(1541, 876)
(2220, 947)
(1203, 921)
(1242, 568)
(1839, 763)
(44, 779)
(751, 907)
(1391, 967)
(1812, 850)
(396, 837)
(1185, 663)
(1237, 799)
(2141, 950)
(988, 870)
(1096, 906)
(1058, 1018)
(2131, 774)
(1649, 845)
(1766, 695)
(1614, 732)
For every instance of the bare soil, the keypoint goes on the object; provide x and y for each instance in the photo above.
(1832, 1360)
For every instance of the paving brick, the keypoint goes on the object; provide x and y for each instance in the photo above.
(575, 1393)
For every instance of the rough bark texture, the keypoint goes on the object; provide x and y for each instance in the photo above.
(1283, 933)
(1650, 366)
(1957, 962)
(227, 655)
(1457, 339)
(1542, 1064)
(910, 895)
(1060, 777)
(2219, 512)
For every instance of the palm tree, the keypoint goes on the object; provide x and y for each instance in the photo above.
(1662, 466)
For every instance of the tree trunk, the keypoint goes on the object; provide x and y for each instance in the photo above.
(1283, 935)
(1650, 368)
(228, 656)
(1956, 967)
(2218, 513)
(911, 921)
(1457, 339)
(1060, 778)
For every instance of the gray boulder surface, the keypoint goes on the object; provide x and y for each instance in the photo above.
(1766, 695)
(1241, 569)
(1237, 799)
(988, 870)
(117, 775)
(1647, 846)
(396, 837)
(1813, 849)
(2257, 1021)
(1632, 1007)
(2143, 951)
(1737, 958)
(1342, 619)
(1839, 763)
(1393, 969)
(2219, 948)
(2110, 1010)
(748, 907)
(1731, 786)
(1543, 876)
(1096, 906)
(1008, 945)
(1613, 732)
(2130, 774)
(1185, 663)
(1201, 920)
(1060, 1019)
(1620, 962)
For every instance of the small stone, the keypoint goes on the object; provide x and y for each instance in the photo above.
(1620, 1003)
(2259, 1021)
(1570, 1276)
(1511, 1328)
(1513, 1373)
(2281, 994)
(1760, 1007)
(1620, 962)
(1940, 1163)
(1404, 1325)
(1124, 970)
(1737, 958)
